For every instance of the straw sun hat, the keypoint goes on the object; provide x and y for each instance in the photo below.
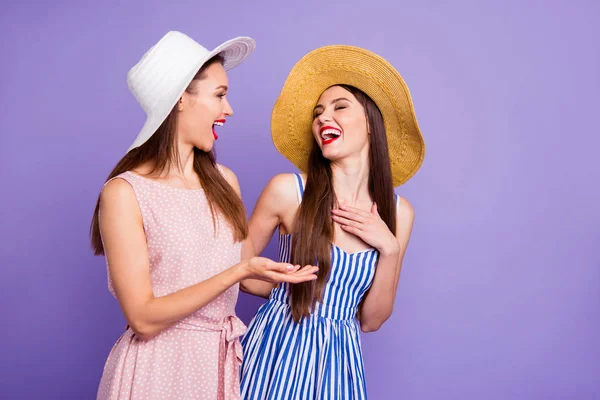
(292, 117)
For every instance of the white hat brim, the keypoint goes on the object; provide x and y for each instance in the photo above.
(233, 51)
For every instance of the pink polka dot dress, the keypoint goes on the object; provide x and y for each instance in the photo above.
(199, 356)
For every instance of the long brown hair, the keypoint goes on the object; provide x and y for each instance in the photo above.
(161, 152)
(314, 227)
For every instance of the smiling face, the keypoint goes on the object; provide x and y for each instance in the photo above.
(340, 124)
(203, 106)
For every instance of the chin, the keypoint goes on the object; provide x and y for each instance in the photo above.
(331, 155)
(205, 143)
(205, 147)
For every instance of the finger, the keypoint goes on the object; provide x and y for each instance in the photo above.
(354, 210)
(353, 230)
(346, 221)
(296, 269)
(300, 278)
(276, 277)
(280, 267)
(309, 269)
(349, 215)
(303, 270)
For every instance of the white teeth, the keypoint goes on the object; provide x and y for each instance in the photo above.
(218, 123)
(328, 133)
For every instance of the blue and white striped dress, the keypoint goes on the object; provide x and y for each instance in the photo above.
(320, 357)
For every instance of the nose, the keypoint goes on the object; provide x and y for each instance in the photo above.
(227, 110)
(324, 118)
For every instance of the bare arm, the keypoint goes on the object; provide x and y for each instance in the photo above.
(247, 246)
(276, 199)
(378, 305)
(126, 252)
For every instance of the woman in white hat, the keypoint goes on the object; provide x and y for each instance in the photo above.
(171, 224)
(345, 118)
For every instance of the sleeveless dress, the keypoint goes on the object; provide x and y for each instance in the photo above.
(199, 356)
(320, 357)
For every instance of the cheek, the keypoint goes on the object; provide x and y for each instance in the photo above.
(205, 110)
(315, 129)
(358, 128)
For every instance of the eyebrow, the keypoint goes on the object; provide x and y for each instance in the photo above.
(222, 87)
(334, 101)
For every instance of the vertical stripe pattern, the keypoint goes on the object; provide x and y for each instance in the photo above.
(319, 358)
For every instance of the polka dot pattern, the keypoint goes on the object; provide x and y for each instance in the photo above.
(198, 357)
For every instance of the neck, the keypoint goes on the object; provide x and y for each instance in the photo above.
(181, 167)
(351, 179)
(184, 166)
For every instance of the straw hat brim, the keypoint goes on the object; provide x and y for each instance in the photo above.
(292, 117)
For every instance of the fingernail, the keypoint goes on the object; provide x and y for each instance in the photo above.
(290, 267)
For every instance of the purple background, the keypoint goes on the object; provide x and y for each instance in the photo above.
(500, 292)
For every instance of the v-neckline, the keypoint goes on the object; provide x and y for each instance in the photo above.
(354, 253)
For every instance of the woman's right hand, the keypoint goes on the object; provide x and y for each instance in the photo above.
(268, 270)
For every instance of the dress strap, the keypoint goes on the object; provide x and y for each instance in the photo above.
(299, 187)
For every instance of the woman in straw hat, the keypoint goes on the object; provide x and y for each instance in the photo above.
(346, 119)
(171, 224)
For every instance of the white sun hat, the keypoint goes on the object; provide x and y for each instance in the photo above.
(159, 79)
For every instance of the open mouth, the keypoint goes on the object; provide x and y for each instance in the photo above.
(330, 134)
(219, 122)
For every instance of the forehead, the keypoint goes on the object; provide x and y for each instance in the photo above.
(335, 92)
(215, 73)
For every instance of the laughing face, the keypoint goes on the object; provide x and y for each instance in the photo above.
(340, 124)
(203, 107)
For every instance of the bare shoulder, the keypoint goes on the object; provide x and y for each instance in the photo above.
(118, 200)
(405, 216)
(117, 191)
(278, 202)
(282, 188)
(231, 178)
(405, 209)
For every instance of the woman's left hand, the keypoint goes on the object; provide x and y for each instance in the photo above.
(368, 226)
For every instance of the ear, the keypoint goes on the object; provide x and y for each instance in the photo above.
(180, 104)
